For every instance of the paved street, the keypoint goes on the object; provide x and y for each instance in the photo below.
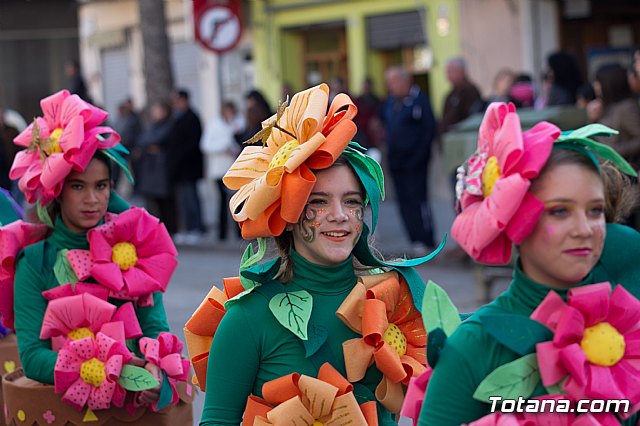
(201, 267)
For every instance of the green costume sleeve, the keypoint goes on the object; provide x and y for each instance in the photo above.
(38, 360)
(232, 368)
(153, 319)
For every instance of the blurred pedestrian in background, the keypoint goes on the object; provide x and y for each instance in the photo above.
(8, 150)
(129, 126)
(523, 93)
(186, 167)
(220, 149)
(75, 80)
(564, 77)
(410, 129)
(257, 111)
(584, 95)
(153, 180)
(370, 128)
(501, 88)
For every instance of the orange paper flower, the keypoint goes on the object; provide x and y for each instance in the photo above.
(380, 308)
(202, 326)
(300, 399)
(275, 180)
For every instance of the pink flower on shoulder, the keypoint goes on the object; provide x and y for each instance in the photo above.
(132, 255)
(596, 344)
(497, 209)
(64, 139)
(87, 370)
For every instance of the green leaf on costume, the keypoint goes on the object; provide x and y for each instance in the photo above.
(436, 340)
(115, 155)
(438, 311)
(588, 131)
(43, 215)
(556, 388)
(166, 393)
(517, 332)
(251, 258)
(135, 379)
(62, 269)
(293, 310)
(518, 378)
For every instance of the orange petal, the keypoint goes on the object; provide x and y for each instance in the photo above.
(196, 344)
(390, 395)
(412, 367)
(418, 353)
(372, 280)
(199, 364)
(232, 286)
(337, 112)
(278, 390)
(346, 411)
(388, 291)
(330, 375)
(290, 410)
(414, 331)
(388, 362)
(374, 321)
(370, 411)
(404, 309)
(357, 358)
(296, 188)
(256, 407)
(268, 224)
(331, 149)
(350, 311)
(260, 421)
(319, 396)
(207, 316)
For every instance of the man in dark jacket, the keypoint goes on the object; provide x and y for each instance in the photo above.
(410, 129)
(186, 166)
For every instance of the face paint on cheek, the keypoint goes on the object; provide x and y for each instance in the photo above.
(309, 224)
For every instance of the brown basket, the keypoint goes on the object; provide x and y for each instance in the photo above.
(9, 362)
(30, 403)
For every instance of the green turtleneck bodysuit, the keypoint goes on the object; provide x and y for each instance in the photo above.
(34, 274)
(251, 347)
(471, 354)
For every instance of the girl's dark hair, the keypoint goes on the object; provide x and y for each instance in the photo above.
(619, 192)
(284, 241)
(614, 83)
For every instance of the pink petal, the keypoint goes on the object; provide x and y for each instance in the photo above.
(119, 395)
(632, 344)
(100, 397)
(160, 268)
(138, 282)
(150, 348)
(592, 301)
(132, 226)
(26, 136)
(570, 328)
(550, 310)
(77, 394)
(52, 108)
(108, 274)
(624, 310)
(169, 343)
(602, 384)
(108, 137)
(104, 344)
(73, 107)
(22, 162)
(491, 122)
(54, 171)
(84, 348)
(172, 365)
(99, 246)
(127, 314)
(97, 116)
(159, 243)
(576, 362)
(537, 145)
(551, 370)
(115, 330)
(81, 263)
(113, 367)
(628, 379)
(507, 143)
(524, 220)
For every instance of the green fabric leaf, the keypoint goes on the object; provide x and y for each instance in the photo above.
(317, 336)
(436, 340)
(251, 258)
(293, 310)
(588, 131)
(43, 215)
(115, 155)
(135, 379)
(510, 381)
(517, 332)
(62, 269)
(166, 393)
(438, 311)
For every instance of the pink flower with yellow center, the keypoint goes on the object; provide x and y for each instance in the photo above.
(87, 370)
(596, 344)
(380, 308)
(497, 209)
(132, 255)
(274, 181)
(84, 315)
(64, 139)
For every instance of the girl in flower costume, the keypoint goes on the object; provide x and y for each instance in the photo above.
(94, 281)
(566, 327)
(307, 312)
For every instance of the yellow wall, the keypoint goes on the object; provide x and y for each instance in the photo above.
(275, 55)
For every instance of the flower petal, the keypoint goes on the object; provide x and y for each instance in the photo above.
(100, 397)
(52, 108)
(576, 362)
(570, 328)
(374, 321)
(592, 301)
(551, 370)
(138, 282)
(602, 383)
(77, 394)
(537, 143)
(54, 170)
(296, 188)
(624, 310)
(550, 310)
(357, 358)
(108, 274)
(388, 362)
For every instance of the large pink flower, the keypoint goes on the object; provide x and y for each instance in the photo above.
(64, 139)
(596, 343)
(166, 353)
(13, 238)
(497, 209)
(87, 370)
(131, 254)
(82, 315)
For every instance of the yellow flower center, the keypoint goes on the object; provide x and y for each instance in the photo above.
(92, 372)
(54, 142)
(490, 175)
(394, 338)
(283, 154)
(317, 423)
(80, 333)
(124, 254)
(603, 344)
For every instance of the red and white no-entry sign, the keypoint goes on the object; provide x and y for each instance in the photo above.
(217, 24)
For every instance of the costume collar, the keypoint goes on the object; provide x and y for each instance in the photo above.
(63, 237)
(323, 279)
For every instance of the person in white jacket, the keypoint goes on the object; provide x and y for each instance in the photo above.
(220, 148)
